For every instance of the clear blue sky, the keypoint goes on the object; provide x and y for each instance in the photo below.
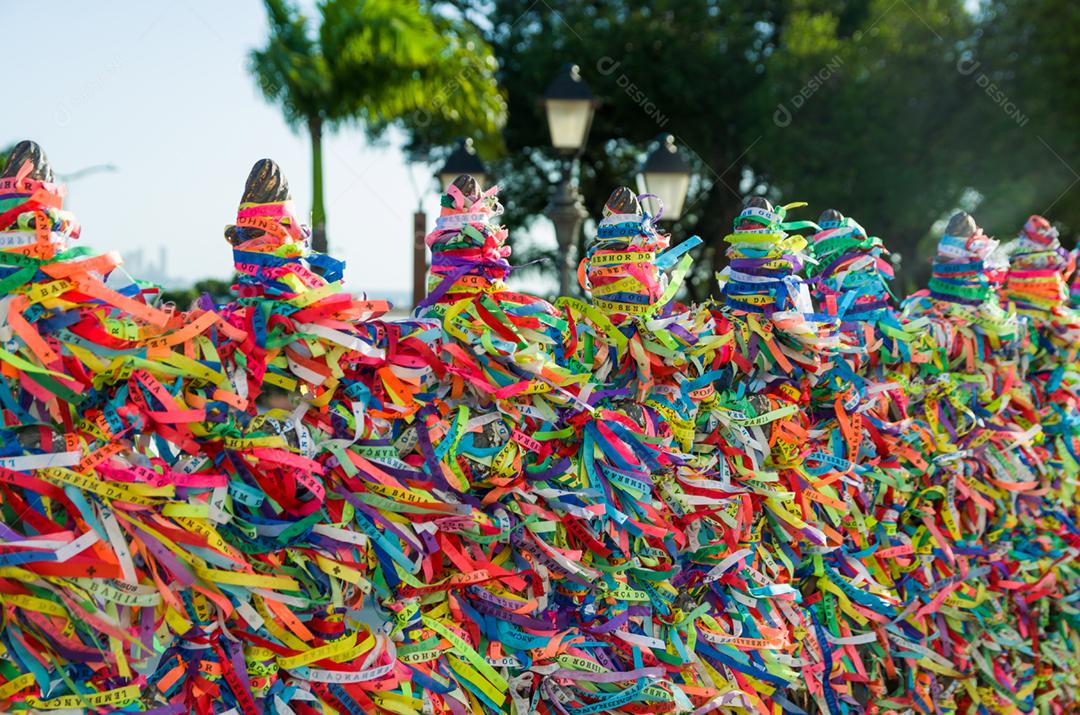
(161, 90)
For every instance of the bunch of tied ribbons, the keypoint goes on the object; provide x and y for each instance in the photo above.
(624, 267)
(858, 474)
(81, 583)
(178, 538)
(760, 422)
(468, 251)
(689, 523)
(500, 343)
(1036, 261)
(984, 506)
(965, 270)
(657, 352)
(960, 312)
(764, 295)
(840, 471)
(765, 261)
(850, 278)
(1074, 278)
(314, 386)
(850, 275)
(1037, 287)
(287, 504)
(749, 551)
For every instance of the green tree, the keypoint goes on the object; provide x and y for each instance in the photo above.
(219, 290)
(943, 109)
(375, 63)
(867, 106)
(681, 66)
(870, 116)
(1023, 67)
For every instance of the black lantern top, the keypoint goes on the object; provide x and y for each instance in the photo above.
(463, 160)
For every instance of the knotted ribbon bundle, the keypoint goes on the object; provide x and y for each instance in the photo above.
(289, 504)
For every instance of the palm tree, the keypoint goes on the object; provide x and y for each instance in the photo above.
(375, 63)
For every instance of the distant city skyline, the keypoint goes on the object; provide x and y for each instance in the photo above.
(141, 264)
(162, 92)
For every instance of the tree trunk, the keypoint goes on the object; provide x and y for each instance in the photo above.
(318, 211)
(720, 210)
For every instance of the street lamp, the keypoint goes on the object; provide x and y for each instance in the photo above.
(463, 160)
(569, 106)
(667, 174)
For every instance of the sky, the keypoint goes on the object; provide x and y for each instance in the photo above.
(160, 89)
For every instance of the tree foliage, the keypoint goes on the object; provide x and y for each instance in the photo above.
(374, 63)
(869, 115)
(868, 106)
(218, 290)
(1023, 63)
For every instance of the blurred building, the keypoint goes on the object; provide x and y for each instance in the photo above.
(141, 264)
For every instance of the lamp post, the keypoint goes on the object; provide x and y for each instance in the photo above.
(86, 171)
(463, 160)
(569, 106)
(667, 174)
